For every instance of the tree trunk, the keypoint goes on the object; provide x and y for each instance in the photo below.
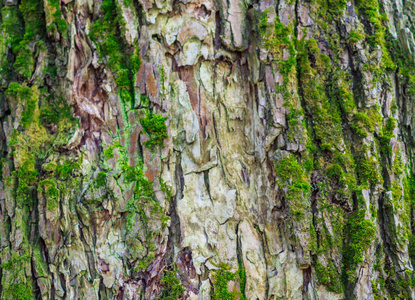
(207, 149)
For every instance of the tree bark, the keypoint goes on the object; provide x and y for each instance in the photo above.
(207, 149)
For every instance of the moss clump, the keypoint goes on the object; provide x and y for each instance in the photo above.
(354, 37)
(24, 64)
(110, 43)
(399, 285)
(27, 179)
(314, 68)
(55, 110)
(123, 60)
(172, 288)
(19, 288)
(51, 192)
(101, 179)
(370, 9)
(292, 174)
(143, 194)
(109, 152)
(59, 22)
(220, 284)
(40, 264)
(19, 291)
(411, 248)
(145, 218)
(65, 169)
(329, 276)
(12, 24)
(362, 124)
(122, 79)
(106, 34)
(26, 97)
(12, 31)
(242, 277)
(277, 39)
(367, 170)
(360, 233)
(156, 130)
(32, 11)
(386, 135)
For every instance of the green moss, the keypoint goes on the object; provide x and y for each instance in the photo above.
(339, 89)
(51, 70)
(354, 37)
(329, 276)
(386, 135)
(40, 264)
(276, 40)
(27, 179)
(293, 117)
(58, 18)
(32, 11)
(360, 235)
(143, 193)
(135, 61)
(122, 79)
(24, 64)
(19, 291)
(370, 9)
(156, 130)
(145, 218)
(66, 168)
(33, 15)
(376, 293)
(171, 286)
(15, 261)
(12, 24)
(55, 110)
(242, 277)
(12, 30)
(263, 21)
(26, 97)
(409, 189)
(411, 248)
(328, 9)
(362, 124)
(220, 284)
(18, 288)
(107, 35)
(51, 192)
(398, 165)
(123, 60)
(292, 175)
(399, 285)
(109, 152)
(314, 68)
(367, 170)
(101, 179)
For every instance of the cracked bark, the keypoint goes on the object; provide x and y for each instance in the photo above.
(289, 156)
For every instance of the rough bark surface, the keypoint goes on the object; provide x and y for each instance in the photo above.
(207, 149)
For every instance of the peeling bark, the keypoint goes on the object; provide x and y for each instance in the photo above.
(287, 170)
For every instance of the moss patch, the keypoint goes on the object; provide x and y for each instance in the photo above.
(155, 128)
(171, 286)
(222, 278)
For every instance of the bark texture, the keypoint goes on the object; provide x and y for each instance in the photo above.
(207, 149)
